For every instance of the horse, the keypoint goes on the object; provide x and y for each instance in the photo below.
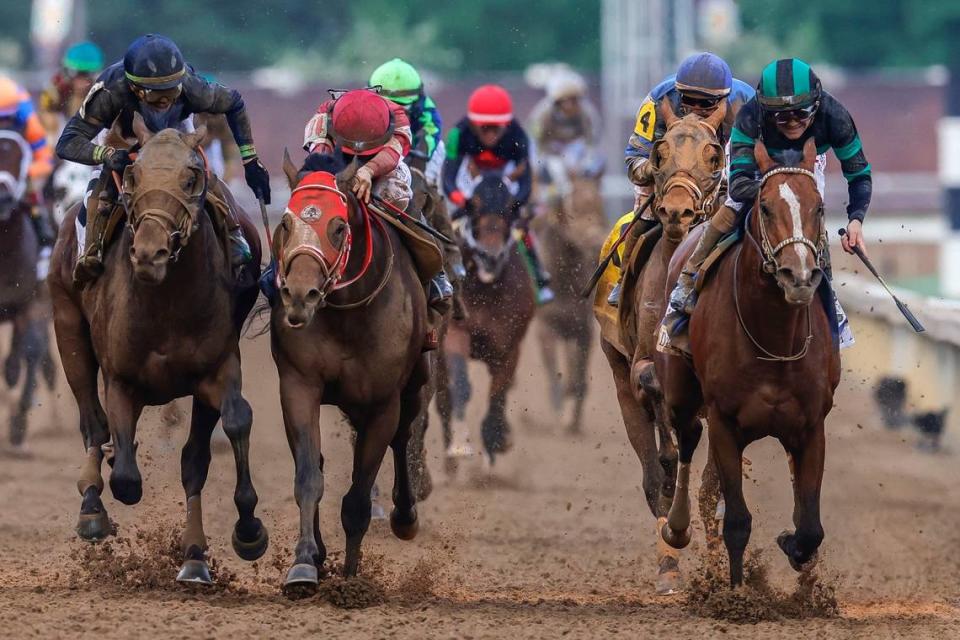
(347, 329)
(764, 361)
(688, 164)
(68, 186)
(571, 236)
(499, 298)
(162, 322)
(21, 290)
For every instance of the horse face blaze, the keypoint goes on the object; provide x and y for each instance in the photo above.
(785, 217)
(490, 232)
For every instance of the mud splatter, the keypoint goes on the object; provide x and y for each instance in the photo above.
(757, 600)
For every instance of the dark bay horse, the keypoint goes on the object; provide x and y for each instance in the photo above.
(571, 236)
(347, 329)
(499, 298)
(20, 289)
(688, 161)
(764, 360)
(162, 322)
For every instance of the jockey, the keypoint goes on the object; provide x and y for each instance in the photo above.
(493, 140)
(154, 81)
(702, 82)
(82, 63)
(565, 126)
(17, 115)
(375, 132)
(789, 108)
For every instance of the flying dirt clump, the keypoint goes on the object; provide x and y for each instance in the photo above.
(710, 595)
(148, 560)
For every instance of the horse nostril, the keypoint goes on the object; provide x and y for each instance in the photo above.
(161, 254)
(285, 294)
(313, 296)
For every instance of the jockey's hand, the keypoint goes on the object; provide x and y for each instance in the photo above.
(362, 184)
(853, 237)
(643, 175)
(117, 160)
(257, 178)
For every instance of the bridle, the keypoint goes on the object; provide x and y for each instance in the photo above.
(498, 260)
(704, 201)
(769, 254)
(182, 225)
(334, 269)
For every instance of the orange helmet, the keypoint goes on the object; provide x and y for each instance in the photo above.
(11, 96)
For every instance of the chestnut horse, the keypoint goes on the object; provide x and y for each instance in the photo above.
(347, 329)
(764, 362)
(498, 295)
(162, 322)
(688, 164)
(20, 288)
(571, 236)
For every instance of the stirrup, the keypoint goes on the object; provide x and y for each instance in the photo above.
(614, 298)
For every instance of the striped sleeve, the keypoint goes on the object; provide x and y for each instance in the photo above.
(848, 148)
(743, 183)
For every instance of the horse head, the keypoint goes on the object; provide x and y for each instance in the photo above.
(488, 232)
(312, 243)
(163, 192)
(688, 162)
(788, 220)
(15, 156)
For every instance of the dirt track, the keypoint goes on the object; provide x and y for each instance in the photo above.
(556, 543)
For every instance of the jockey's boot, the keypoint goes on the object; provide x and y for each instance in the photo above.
(641, 227)
(673, 335)
(90, 263)
(459, 308)
(441, 293)
(540, 275)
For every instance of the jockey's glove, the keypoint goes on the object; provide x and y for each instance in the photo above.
(458, 198)
(642, 175)
(117, 160)
(257, 179)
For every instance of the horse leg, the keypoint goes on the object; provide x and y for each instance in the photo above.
(709, 500)
(578, 357)
(250, 538)
(194, 465)
(300, 402)
(376, 427)
(548, 350)
(646, 381)
(807, 462)
(495, 430)
(123, 412)
(32, 353)
(683, 398)
(420, 478)
(80, 367)
(11, 366)
(737, 521)
(403, 517)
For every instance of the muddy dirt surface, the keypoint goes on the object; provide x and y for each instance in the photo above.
(555, 542)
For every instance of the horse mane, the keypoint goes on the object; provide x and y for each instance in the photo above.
(329, 162)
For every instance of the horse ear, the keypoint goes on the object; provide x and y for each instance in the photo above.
(809, 154)
(716, 118)
(141, 130)
(666, 112)
(197, 139)
(764, 161)
(345, 177)
(290, 169)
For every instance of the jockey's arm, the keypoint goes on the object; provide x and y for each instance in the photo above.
(99, 109)
(210, 97)
(640, 143)
(849, 151)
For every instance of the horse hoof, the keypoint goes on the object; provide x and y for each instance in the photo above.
(126, 491)
(668, 583)
(302, 575)
(254, 549)
(677, 540)
(787, 543)
(194, 572)
(405, 528)
(94, 527)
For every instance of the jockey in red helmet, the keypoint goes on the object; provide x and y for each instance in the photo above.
(493, 140)
(375, 132)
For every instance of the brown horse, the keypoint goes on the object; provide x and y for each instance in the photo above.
(162, 322)
(764, 362)
(688, 162)
(347, 330)
(20, 289)
(571, 236)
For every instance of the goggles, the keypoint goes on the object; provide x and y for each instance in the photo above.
(802, 114)
(699, 102)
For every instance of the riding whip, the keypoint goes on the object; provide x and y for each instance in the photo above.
(595, 278)
(400, 213)
(912, 319)
(266, 225)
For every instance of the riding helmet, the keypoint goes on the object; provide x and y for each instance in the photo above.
(362, 122)
(398, 80)
(490, 104)
(154, 62)
(706, 74)
(788, 84)
(83, 57)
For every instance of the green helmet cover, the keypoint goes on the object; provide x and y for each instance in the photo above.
(788, 84)
(399, 81)
(83, 57)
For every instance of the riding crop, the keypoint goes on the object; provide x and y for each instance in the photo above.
(613, 250)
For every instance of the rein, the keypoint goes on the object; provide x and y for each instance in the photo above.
(768, 256)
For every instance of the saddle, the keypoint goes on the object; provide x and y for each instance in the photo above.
(427, 257)
(708, 265)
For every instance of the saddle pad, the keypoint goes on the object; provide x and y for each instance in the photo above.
(722, 247)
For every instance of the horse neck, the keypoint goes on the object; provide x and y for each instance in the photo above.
(780, 327)
(384, 242)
